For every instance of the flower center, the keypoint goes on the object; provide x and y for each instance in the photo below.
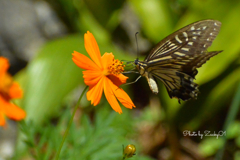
(116, 67)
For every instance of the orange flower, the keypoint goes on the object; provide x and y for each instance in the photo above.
(102, 74)
(8, 90)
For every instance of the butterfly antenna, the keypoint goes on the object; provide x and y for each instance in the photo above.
(137, 44)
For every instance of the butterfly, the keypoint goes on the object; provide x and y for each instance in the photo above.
(175, 59)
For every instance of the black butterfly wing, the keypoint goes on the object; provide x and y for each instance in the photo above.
(190, 67)
(189, 41)
(174, 59)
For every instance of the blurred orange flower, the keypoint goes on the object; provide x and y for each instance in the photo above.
(8, 90)
(102, 74)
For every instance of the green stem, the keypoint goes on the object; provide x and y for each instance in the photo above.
(230, 118)
(69, 124)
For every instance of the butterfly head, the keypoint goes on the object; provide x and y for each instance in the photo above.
(140, 66)
(136, 61)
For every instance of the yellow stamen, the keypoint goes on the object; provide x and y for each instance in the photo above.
(116, 67)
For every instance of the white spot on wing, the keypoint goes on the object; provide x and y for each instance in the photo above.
(197, 33)
(185, 35)
(204, 27)
(172, 44)
(160, 59)
(190, 43)
(179, 54)
(173, 47)
(192, 28)
(194, 38)
(176, 37)
(185, 49)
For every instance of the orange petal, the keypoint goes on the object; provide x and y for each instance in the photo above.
(2, 119)
(92, 77)
(110, 96)
(107, 60)
(91, 47)
(83, 61)
(11, 110)
(14, 112)
(15, 91)
(122, 96)
(4, 65)
(95, 92)
(118, 79)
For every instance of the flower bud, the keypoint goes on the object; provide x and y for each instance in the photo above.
(129, 151)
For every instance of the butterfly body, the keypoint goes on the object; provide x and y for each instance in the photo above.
(175, 59)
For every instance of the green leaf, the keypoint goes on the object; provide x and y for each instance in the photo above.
(155, 18)
(50, 77)
(209, 146)
(103, 10)
(233, 130)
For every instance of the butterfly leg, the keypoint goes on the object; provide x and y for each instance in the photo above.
(132, 82)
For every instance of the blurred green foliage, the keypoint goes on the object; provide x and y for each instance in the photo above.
(98, 138)
(52, 76)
